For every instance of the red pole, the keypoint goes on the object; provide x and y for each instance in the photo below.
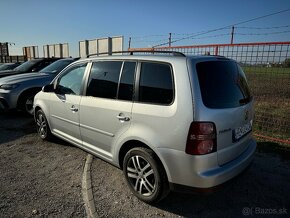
(216, 50)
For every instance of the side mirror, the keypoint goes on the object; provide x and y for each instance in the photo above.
(48, 88)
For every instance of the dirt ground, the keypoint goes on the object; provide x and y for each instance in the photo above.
(262, 190)
(38, 179)
(43, 179)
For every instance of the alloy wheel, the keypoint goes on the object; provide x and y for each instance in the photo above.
(29, 105)
(141, 175)
(41, 125)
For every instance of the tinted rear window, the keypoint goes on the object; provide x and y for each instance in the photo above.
(223, 84)
(104, 78)
(156, 83)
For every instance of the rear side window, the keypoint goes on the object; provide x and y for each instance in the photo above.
(223, 84)
(103, 79)
(156, 83)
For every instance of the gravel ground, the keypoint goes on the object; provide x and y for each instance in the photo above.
(38, 179)
(43, 179)
(262, 190)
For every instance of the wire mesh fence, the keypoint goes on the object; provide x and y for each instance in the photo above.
(267, 66)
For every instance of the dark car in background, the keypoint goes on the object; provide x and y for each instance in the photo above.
(18, 91)
(34, 65)
(9, 66)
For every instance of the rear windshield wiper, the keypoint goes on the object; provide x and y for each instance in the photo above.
(245, 100)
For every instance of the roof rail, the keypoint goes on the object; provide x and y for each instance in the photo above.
(174, 53)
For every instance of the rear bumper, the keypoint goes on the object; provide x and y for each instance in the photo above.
(192, 190)
(229, 170)
(203, 172)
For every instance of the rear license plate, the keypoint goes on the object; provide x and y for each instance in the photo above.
(242, 131)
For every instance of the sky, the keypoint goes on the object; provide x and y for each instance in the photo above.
(147, 22)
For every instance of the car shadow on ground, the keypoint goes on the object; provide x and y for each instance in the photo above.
(14, 125)
(260, 190)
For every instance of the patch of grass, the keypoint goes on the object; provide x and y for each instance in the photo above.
(266, 70)
(271, 90)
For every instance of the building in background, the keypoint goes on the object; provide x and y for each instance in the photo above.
(56, 50)
(5, 57)
(101, 45)
(4, 51)
(30, 52)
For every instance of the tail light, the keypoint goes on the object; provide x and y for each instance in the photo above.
(201, 138)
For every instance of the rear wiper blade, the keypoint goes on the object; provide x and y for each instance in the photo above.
(244, 100)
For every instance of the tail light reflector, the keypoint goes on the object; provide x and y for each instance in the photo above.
(201, 138)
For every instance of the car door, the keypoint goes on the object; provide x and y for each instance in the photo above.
(105, 111)
(64, 108)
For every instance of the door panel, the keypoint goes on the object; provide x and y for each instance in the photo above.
(64, 105)
(103, 118)
(102, 121)
(64, 112)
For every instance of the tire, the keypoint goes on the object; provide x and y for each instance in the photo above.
(145, 175)
(42, 126)
(26, 103)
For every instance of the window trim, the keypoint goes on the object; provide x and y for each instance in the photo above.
(119, 80)
(134, 80)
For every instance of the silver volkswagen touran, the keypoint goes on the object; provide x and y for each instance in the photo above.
(169, 121)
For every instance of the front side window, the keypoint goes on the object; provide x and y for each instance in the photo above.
(104, 79)
(71, 81)
(156, 83)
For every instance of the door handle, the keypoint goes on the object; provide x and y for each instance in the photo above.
(123, 118)
(74, 109)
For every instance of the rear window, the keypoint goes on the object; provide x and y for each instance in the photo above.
(223, 84)
(56, 66)
(26, 66)
(156, 84)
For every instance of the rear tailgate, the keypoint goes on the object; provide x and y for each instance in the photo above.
(226, 101)
(233, 129)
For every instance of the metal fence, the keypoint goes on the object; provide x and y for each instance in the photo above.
(12, 59)
(267, 66)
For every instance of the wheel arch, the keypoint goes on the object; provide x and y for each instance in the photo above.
(24, 93)
(39, 105)
(128, 145)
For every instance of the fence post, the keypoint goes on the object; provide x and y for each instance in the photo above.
(129, 43)
(232, 34)
(216, 52)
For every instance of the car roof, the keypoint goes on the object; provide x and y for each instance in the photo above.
(155, 57)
